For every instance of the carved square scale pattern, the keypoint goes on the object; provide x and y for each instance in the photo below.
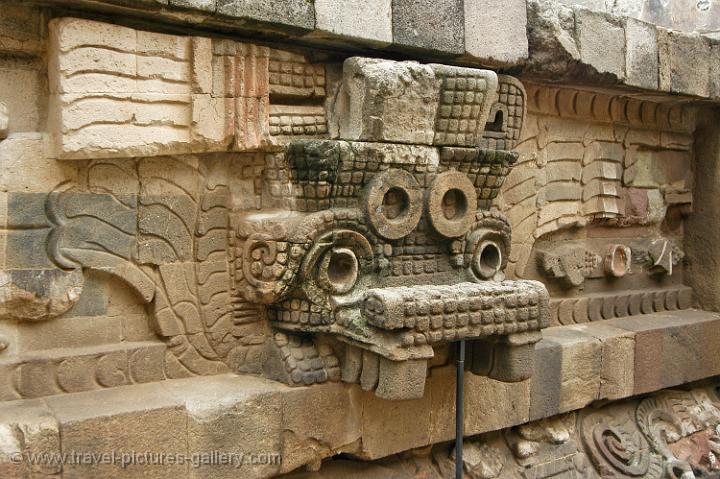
(459, 119)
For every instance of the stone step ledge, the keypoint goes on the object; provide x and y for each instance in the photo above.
(265, 420)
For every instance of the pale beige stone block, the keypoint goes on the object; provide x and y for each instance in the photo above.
(141, 419)
(495, 31)
(359, 20)
(383, 100)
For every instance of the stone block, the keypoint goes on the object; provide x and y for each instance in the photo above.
(367, 22)
(294, 15)
(601, 42)
(21, 30)
(27, 428)
(144, 419)
(617, 378)
(232, 415)
(387, 101)
(651, 168)
(495, 31)
(684, 62)
(673, 348)
(27, 166)
(641, 54)
(489, 404)
(389, 427)
(437, 26)
(69, 331)
(568, 367)
(36, 294)
(153, 93)
(204, 5)
(312, 429)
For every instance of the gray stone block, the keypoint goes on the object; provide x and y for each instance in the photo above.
(293, 14)
(495, 31)
(642, 54)
(601, 42)
(438, 26)
(205, 5)
(364, 21)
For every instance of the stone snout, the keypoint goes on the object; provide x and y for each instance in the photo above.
(502, 320)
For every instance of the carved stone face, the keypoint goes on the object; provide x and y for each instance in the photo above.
(385, 239)
(387, 249)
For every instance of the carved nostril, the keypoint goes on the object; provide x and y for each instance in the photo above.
(487, 260)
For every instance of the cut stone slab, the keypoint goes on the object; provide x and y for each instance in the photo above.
(204, 5)
(601, 42)
(363, 21)
(437, 26)
(382, 100)
(495, 31)
(568, 366)
(291, 14)
(641, 54)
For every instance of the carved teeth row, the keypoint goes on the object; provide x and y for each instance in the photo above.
(426, 308)
(417, 338)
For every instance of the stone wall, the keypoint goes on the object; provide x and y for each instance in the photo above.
(230, 226)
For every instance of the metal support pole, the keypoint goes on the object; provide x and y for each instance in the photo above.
(459, 409)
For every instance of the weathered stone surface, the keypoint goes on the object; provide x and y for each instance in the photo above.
(292, 14)
(671, 350)
(28, 430)
(4, 121)
(204, 5)
(684, 62)
(601, 43)
(617, 375)
(36, 295)
(143, 418)
(360, 21)
(551, 33)
(641, 54)
(495, 31)
(437, 26)
(222, 411)
(568, 373)
(387, 101)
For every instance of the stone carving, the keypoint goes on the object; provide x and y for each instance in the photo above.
(659, 256)
(617, 260)
(379, 228)
(596, 307)
(364, 235)
(120, 92)
(84, 369)
(616, 446)
(165, 232)
(578, 153)
(569, 264)
(406, 102)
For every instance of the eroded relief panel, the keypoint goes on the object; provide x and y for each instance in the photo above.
(323, 222)
(273, 223)
(597, 202)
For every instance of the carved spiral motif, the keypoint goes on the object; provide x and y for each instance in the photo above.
(616, 447)
(487, 246)
(335, 264)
